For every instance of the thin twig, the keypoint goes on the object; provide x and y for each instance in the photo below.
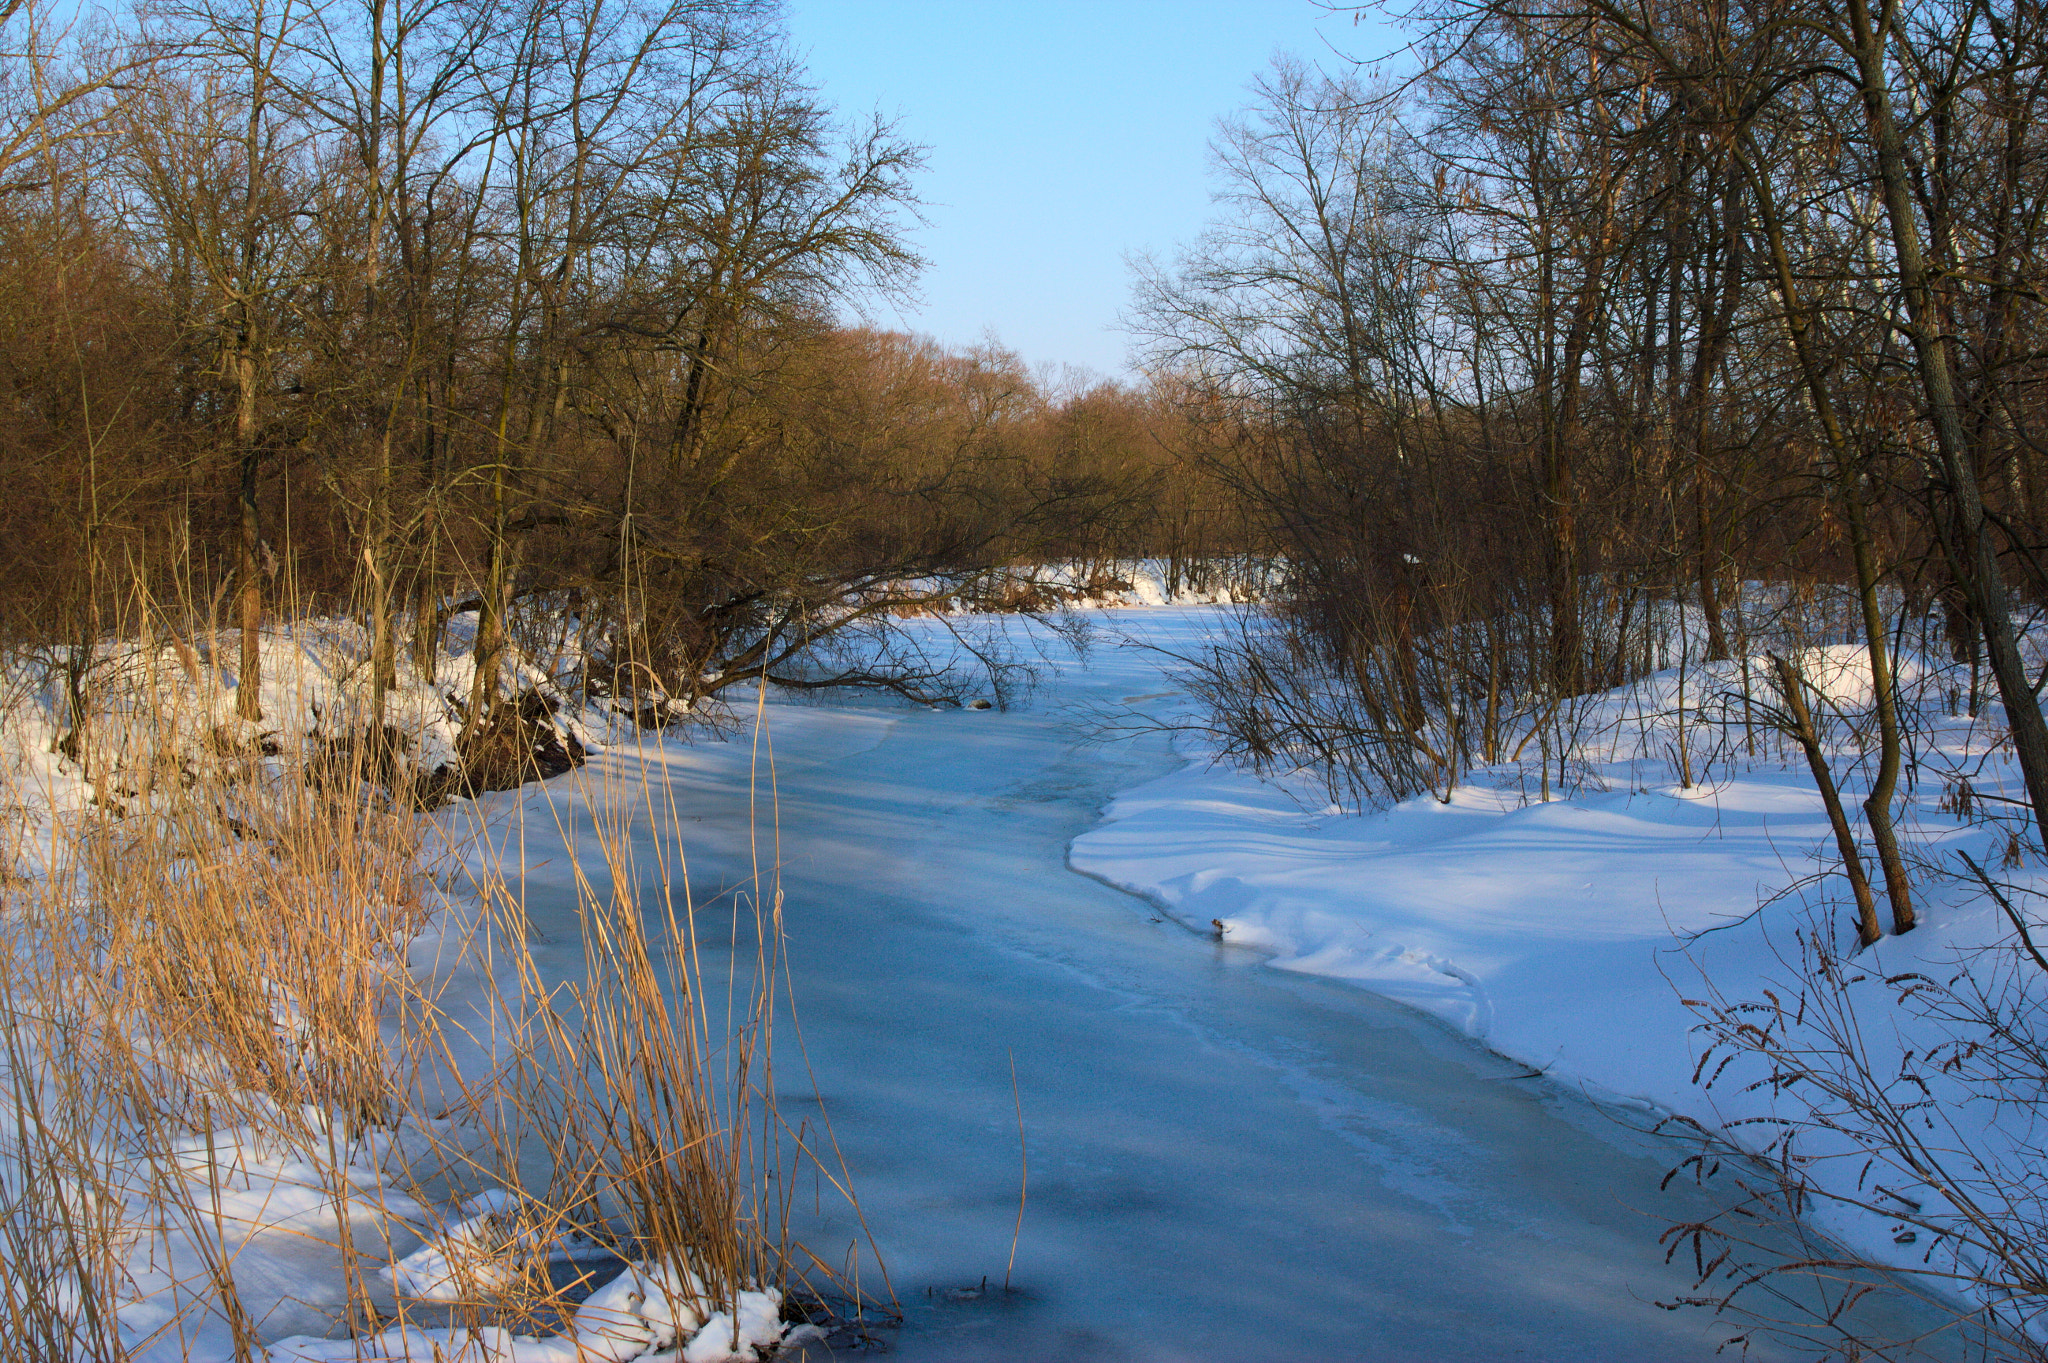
(2019, 924)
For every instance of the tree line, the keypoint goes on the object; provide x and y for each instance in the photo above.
(1619, 304)
(402, 309)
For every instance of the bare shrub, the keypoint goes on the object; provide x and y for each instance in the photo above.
(1904, 1150)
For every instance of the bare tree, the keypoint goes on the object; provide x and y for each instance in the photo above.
(221, 196)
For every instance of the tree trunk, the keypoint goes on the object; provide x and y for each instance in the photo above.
(249, 680)
(1793, 687)
(1978, 553)
(1877, 807)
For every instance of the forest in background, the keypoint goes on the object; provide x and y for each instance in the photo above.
(403, 309)
(1614, 307)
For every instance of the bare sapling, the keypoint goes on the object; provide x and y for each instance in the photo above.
(1796, 719)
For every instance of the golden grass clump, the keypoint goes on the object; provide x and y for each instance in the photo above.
(220, 1058)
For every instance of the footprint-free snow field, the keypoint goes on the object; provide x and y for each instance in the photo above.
(1225, 1161)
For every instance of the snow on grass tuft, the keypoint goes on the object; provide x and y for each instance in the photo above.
(651, 1308)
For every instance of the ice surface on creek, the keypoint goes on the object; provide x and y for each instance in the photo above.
(1225, 1161)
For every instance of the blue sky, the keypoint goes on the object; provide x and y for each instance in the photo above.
(1064, 136)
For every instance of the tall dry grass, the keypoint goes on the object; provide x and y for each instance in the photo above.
(218, 1056)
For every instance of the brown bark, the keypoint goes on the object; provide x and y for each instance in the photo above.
(1978, 556)
(249, 679)
(1792, 686)
(1799, 325)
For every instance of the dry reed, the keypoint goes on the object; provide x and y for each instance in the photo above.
(214, 1043)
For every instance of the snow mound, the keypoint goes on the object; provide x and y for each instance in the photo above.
(651, 1308)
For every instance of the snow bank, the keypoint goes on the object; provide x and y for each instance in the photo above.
(1568, 934)
(313, 1212)
(649, 1309)
(1116, 583)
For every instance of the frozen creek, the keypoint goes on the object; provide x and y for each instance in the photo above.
(1226, 1162)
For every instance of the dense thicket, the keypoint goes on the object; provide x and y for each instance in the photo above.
(1620, 303)
(405, 308)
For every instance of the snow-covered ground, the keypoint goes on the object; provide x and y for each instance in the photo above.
(149, 1157)
(1125, 582)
